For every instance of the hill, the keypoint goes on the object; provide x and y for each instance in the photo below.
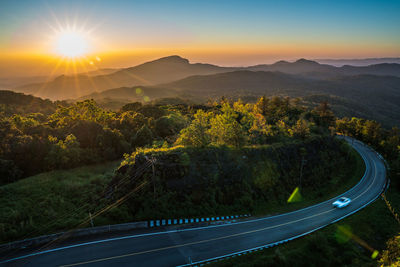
(172, 68)
(315, 69)
(162, 70)
(17, 103)
(358, 62)
(131, 94)
(368, 96)
(376, 97)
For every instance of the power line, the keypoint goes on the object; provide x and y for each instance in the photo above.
(120, 183)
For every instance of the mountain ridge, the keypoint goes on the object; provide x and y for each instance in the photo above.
(173, 68)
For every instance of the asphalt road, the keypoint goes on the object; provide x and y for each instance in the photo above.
(172, 246)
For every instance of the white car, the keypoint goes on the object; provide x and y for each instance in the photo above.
(341, 202)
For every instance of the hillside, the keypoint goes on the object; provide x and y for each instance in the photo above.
(297, 67)
(158, 71)
(358, 62)
(376, 96)
(349, 95)
(315, 69)
(172, 68)
(131, 94)
(17, 103)
(208, 162)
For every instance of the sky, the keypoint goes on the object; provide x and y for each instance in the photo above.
(231, 33)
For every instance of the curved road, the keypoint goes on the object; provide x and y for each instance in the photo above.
(174, 246)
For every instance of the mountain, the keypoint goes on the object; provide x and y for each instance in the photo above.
(313, 69)
(376, 96)
(7, 83)
(131, 94)
(169, 69)
(370, 96)
(162, 70)
(100, 72)
(297, 67)
(358, 62)
(17, 103)
(390, 69)
(243, 81)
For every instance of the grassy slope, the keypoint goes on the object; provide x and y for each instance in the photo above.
(29, 207)
(54, 201)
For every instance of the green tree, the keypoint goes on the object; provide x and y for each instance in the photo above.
(196, 134)
(372, 132)
(225, 128)
(151, 111)
(301, 129)
(169, 125)
(112, 144)
(260, 132)
(143, 137)
(245, 115)
(23, 123)
(391, 256)
(129, 123)
(64, 154)
(266, 176)
(324, 115)
(261, 106)
(86, 110)
(131, 106)
(86, 132)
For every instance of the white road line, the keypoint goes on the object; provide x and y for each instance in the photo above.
(207, 227)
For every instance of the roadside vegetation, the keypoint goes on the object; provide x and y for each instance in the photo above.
(160, 161)
(51, 201)
(60, 200)
(352, 241)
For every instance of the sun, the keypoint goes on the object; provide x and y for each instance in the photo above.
(71, 44)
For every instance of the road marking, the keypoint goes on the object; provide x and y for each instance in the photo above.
(373, 181)
(213, 226)
(223, 237)
(194, 243)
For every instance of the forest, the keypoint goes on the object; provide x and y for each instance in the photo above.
(83, 133)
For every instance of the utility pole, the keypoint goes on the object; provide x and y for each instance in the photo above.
(152, 161)
(91, 219)
(303, 152)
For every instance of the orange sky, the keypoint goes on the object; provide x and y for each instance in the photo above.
(32, 64)
(127, 33)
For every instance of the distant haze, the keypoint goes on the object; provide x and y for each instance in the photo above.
(373, 89)
(358, 62)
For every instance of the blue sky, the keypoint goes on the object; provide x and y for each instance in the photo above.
(203, 29)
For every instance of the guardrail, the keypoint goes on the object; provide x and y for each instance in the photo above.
(165, 222)
(31, 242)
(36, 241)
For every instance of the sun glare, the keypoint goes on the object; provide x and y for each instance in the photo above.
(71, 44)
